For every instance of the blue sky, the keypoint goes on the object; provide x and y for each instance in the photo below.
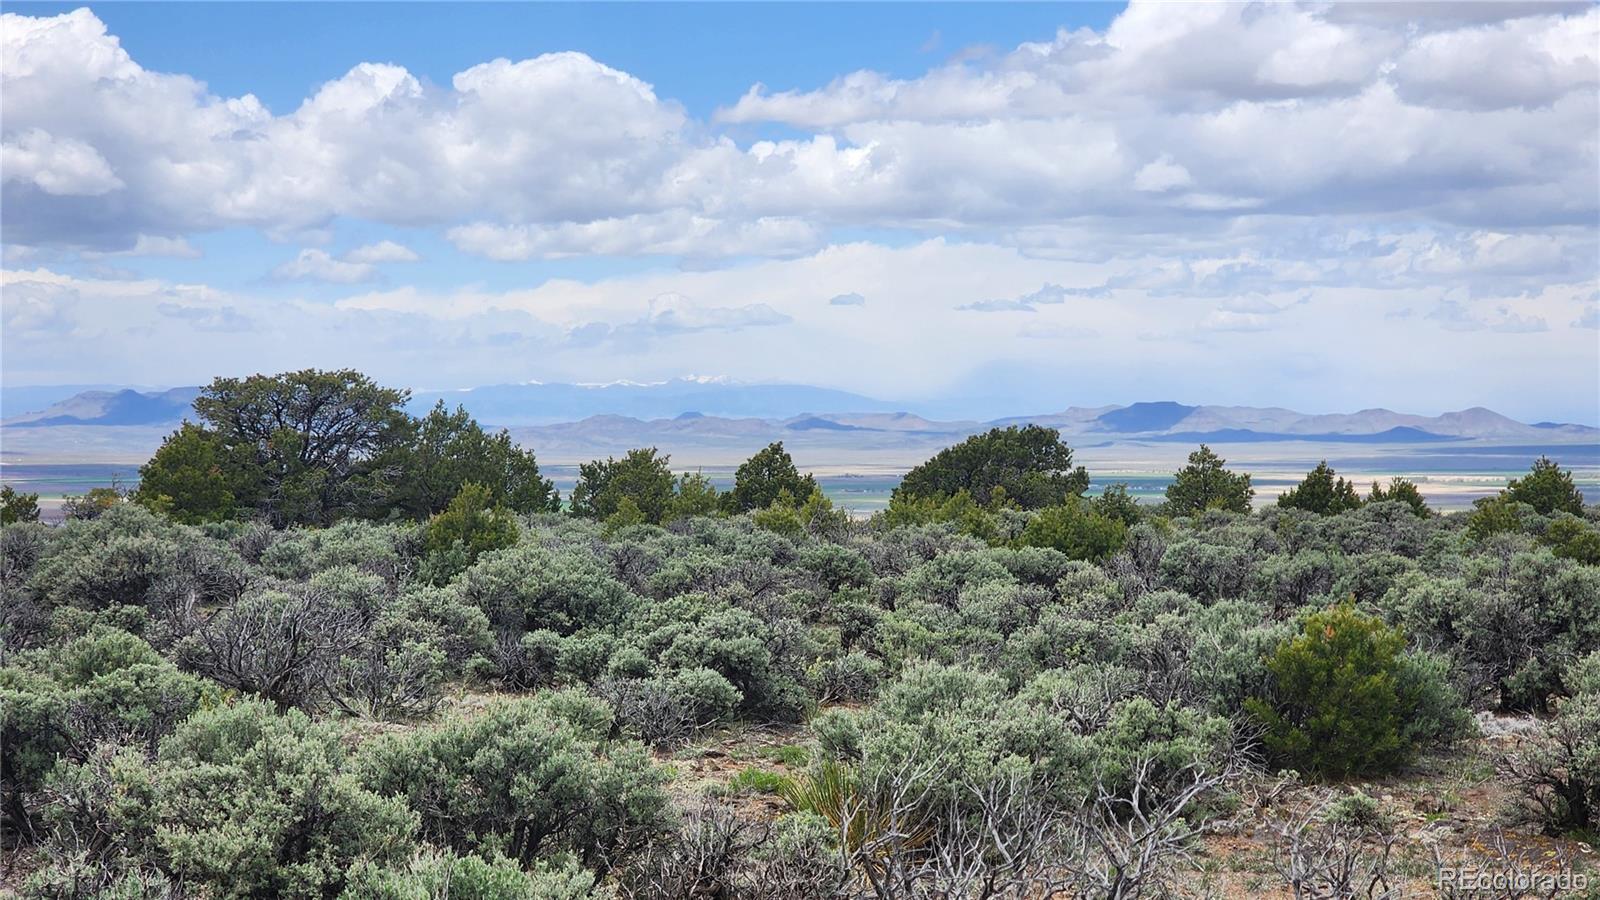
(1326, 208)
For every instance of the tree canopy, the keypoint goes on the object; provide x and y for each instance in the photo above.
(17, 507)
(763, 477)
(1402, 490)
(451, 450)
(313, 447)
(1030, 464)
(643, 477)
(1547, 488)
(1322, 492)
(1204, 484)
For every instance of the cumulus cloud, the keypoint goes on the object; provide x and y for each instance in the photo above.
(1417, 172)
(63, 167)
(1515, 323)
(356, 265)
(1169, 119)
(1161, 175)
(1528, 63)
(381, 252)
(317, 265)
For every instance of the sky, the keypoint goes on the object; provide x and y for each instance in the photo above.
(1327, 208)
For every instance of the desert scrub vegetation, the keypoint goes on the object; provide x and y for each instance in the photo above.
(1000, 687)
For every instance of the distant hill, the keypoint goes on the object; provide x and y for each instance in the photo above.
(19, 400)
(122, 407)
(1146, 417)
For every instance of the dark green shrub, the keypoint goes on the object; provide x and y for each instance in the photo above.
(642, 478)
(1076, 529)
(1497, 515)
(1569, 537)
(1401, 490)
(1346, 699)
(17, 507)
(469, 527)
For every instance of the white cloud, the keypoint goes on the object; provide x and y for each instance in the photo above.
(1171, 119)
(666, 233)
(316, 265)
(1191, 174)
(381, 252)
(1528, 62)
(1161, 175)
(63, 167)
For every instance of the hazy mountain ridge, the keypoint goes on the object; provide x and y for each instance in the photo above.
(710, 435)
(120, 407)
(693, 415)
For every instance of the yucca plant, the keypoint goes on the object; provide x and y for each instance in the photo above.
(873, 821)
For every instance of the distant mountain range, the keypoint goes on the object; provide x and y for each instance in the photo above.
(720, 419)
(112, 407)
(1140, 423)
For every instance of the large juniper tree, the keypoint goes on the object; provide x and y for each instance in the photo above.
(764, 477)
(306, 447)
(1204, 484)
(1322, 492)
(1030, 464)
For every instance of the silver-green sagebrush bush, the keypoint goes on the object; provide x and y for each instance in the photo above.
(529, 779)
